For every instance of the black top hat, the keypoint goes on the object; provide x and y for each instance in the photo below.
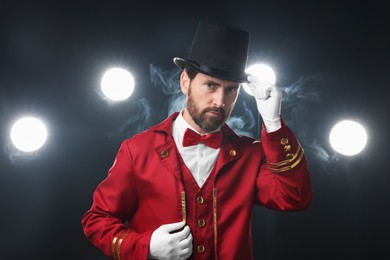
(218, 51)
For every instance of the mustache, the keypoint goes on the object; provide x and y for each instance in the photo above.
(219, 110)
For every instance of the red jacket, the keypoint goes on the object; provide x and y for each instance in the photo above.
(144, 189)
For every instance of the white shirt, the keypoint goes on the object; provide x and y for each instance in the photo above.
(199, 159)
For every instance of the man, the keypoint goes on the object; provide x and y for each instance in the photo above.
(185, 188)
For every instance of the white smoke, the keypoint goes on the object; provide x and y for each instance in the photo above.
(170, 86)
(244, 124)
(301, 105)
(140, 121)
(18, 157)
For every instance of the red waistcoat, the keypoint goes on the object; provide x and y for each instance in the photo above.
(200, 213)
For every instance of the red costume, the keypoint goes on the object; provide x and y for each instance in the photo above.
(149, 185)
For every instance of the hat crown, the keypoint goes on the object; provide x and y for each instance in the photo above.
(220, 47)
(219, 51)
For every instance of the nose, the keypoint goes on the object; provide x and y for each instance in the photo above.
(219, 98)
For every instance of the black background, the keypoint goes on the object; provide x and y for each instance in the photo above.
(331, 60)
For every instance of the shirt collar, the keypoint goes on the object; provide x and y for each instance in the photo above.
(181, 124)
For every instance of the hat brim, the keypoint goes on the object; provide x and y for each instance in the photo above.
(221, 74)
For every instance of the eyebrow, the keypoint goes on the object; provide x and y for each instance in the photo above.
(209, 81)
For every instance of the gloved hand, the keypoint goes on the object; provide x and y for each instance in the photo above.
(268, 100)
(167, 245)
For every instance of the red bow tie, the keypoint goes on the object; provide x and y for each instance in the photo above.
(212, 140)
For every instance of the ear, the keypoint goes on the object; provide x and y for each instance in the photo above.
(184, 82)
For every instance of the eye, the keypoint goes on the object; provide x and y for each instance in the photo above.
(231, 90)
(211, 85)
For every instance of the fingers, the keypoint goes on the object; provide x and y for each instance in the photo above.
(253, 79)
(182, 234)
(186, 245)
(186, 253)
(187, 239)
(171, 241)
(173, 226)
(184, 238)
(260, 89)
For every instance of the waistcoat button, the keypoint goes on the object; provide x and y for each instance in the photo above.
(201, 223)
(200, 200)
(201, 249)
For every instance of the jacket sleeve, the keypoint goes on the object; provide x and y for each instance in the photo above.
(114, 200)
(284, 181)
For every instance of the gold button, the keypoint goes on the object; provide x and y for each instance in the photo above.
(201, 249)
(200, 200)
(201, 223)
(289, 156)
(232, 152)
(284, 141)
(287, 148)
(164, 154)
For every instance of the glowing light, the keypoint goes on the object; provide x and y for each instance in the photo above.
(28, 134)
(263, 72)
(117, 84)
(348, 138)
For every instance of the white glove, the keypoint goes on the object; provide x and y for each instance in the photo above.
(268, 100)
(167, 245)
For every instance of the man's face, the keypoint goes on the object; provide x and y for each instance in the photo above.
(210, 101)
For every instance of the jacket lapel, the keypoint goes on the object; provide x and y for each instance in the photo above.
(229, 152)
(167, 153)
(165, 146)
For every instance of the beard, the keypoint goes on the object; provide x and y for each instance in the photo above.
(207, 122)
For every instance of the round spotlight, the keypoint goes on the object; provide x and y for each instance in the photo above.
(348, 138)
(28, 134)
(263, 72)
(117, 84)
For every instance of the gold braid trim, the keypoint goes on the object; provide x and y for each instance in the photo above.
(113, 244)
(113, 247)
(277, 169)
(183, 206)
(215, 221)
(285, 162)
(120, 244)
